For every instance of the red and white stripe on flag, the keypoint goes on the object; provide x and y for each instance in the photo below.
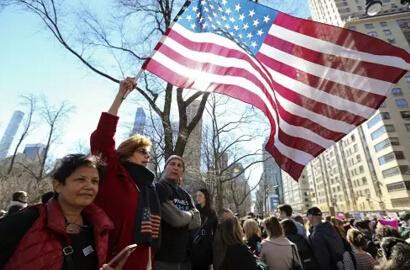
(314, 82)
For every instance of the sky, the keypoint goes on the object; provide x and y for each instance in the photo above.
(32, 62)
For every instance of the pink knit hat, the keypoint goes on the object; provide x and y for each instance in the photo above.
(175, 157)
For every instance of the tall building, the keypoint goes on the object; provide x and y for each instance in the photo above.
(34, 151)
(271, 185)
(370, 168)
(139, 122)
(10, 132)
(192, 153)
(297, 194)
(237, 195)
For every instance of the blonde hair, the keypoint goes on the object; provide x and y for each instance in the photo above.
(127, 148)
(251, 228)
(356, 238)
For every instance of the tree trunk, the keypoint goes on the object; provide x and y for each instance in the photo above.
(219, 195)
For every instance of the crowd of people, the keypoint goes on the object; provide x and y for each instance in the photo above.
(107, 211)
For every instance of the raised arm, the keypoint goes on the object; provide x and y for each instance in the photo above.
(102, 139)
(126, 86)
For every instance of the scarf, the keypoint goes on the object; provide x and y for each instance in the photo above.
(148, 219)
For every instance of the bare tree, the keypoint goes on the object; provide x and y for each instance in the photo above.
(223, 152)
(152, 18)
(54, 117)
(29, 101)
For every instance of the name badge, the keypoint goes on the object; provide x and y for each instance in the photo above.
(88, 250)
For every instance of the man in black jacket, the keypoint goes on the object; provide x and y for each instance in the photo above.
(326, 243)
(179, 216)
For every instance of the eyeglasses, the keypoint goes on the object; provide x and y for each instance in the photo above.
(143, 151)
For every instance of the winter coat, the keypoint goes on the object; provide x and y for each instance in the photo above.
(202, 240)
(118, 195)
(327, 246)
(41, 229)
(254, 243)
(239, 256)
(305, 251)
(279, 253)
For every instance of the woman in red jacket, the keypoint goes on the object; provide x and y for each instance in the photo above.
(127, 194)
(68, 232)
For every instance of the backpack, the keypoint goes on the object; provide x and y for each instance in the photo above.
(305, 252)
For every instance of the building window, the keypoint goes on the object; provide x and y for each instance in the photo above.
(344, 10)
(385, 115)
(405, 115)
(391, 172)
(391, 40)
(387, 32)
(394, 141)
(372, 33)
(369, 26)
(364, 181)
(405, 28)
(376, 119)
(407, 77)
(383, 105)
(358, 158)
(378, 132)
(390, 157)
(401, 103)
(383, 24)
(396, 91)
(382, 145)
(402, 169)
(361, 169)
(390, 128)
(396, 186)
(401, 202)
(407, 127)
(355, 148)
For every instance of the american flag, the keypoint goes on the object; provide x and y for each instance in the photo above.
(150, 223)
(314, 82)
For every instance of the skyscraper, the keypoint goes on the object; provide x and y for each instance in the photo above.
(139, 122)
(297, 194)
(271, 185)
(34, 151)
(10, 132)
(370, 168)
(192, 153)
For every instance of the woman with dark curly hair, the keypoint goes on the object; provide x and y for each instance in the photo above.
(68, 232)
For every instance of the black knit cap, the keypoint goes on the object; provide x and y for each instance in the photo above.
(314, 211)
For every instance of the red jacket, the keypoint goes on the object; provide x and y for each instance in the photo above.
(41, 248)
(118, 195)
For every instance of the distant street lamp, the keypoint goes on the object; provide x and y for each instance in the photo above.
(373, 7)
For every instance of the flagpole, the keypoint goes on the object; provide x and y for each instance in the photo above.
(184, 6)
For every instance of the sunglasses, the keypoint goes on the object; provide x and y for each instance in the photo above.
(143, 151)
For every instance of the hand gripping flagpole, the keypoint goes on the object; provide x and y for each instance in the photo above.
(135, 84)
